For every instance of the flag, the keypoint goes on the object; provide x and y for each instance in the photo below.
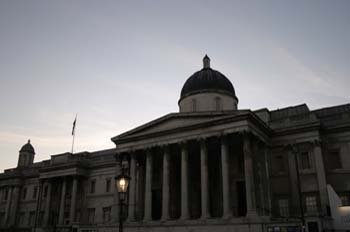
(75, 120)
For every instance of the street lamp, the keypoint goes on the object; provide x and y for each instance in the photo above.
(122, 183)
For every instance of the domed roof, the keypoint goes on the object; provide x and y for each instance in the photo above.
(207, 80)
(27, 148)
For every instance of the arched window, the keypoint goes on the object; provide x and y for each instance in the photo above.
(218, 104)
(194, 105)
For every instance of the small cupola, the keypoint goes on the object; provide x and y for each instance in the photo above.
(26, 155)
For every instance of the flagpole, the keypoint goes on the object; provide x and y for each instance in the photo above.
(73, 142)
(73, 132)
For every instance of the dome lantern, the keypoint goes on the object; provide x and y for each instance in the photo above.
(206, 61)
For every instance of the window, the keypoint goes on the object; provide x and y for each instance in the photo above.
(41, 218)
(24, 193)
(108, 185)
(218, 104)
(311, 204)
(35, 192)
(91, 215)
(106, 214)
(334, 160)
(21, 219)
(283, 206)
(31, 218)
(92, 186)
(305, 160)
(194, 105)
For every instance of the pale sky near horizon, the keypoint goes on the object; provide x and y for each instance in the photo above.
(119, 64)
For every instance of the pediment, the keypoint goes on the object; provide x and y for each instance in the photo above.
(170, 122)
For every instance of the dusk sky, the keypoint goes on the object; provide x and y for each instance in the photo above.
(119, 64)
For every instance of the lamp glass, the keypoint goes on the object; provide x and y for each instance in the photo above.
(122, 183)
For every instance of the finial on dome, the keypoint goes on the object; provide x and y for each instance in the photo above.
(29, 141)
(206, 61)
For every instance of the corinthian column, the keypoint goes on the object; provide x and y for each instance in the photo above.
(321, 177)
(184, 182)
(204, 180)
(132, 188)
(74, 199)
(225, 179)
(63, 194)
(165, 186)
(47, 204)
(8, 204)
(148, 187)
(249, 176)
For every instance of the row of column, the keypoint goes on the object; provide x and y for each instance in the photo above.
(73, 201)
(14, 194)
(13, 197)
(8, 204)
(62, 201)
(227, 213)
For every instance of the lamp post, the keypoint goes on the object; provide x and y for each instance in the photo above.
(122, 183)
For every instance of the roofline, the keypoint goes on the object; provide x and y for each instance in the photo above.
(331, 107)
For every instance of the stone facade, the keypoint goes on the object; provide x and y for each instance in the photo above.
(223, 169)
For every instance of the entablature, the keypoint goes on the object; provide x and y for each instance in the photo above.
(61, 171)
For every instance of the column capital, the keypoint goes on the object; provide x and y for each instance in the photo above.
(292, 147)
(183, 144)
(244, 132)
(148, 150)
(246, 144)
(165, 147)
(41, 181)
(224, 139)
(317, 143)
(202, 140)
(132, 155)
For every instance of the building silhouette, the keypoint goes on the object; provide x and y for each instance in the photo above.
(209, 167)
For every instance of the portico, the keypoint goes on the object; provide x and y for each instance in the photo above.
(196, 177)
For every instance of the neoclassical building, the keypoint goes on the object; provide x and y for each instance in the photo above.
(209, 167)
